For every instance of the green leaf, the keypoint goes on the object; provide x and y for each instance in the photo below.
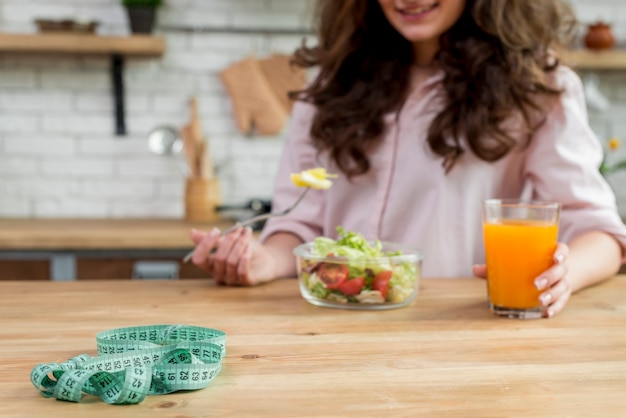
(608, 169)
(619, 166)
(604, 169)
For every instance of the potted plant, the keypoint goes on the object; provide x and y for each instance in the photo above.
(141, 14)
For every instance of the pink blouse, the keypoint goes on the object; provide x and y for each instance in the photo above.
(407, 197)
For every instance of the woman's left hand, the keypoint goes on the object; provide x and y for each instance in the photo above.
(554, 282)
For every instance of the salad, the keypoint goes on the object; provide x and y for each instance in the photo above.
(353, 270)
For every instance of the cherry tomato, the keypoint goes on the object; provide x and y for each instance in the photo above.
(333, 274)
(381, 282)
(352, 286)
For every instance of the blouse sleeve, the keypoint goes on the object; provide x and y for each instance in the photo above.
(562, 165)
(298, 155)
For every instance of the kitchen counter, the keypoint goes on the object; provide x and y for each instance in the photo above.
(98, 234)
(62, 243)
(68, 249)
(443, 355)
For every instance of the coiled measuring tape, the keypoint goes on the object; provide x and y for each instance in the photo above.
(137, 361)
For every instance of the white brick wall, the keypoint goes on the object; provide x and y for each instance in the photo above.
(59, 156)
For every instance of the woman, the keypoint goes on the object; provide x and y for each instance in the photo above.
(426, 108)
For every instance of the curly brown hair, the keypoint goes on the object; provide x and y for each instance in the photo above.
(496, 59)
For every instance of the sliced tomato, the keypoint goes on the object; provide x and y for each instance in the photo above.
(381, 282)
(333, 274)
(352, 286)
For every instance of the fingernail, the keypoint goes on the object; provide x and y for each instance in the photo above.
(545, 298)
(541, 283)
(194, 230)
(559, 258)
(550, 313)
(214, 232)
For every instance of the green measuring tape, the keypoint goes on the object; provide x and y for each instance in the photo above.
(135, 362)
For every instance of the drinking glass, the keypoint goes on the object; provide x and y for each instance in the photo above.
(520, 240)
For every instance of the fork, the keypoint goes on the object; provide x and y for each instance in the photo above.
(255, 219)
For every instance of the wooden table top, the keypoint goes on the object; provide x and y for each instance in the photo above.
(444, 355)
(98, 234)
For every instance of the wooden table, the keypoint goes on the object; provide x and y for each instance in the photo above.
(444, 355)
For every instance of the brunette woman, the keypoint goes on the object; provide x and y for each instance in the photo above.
(426, 108)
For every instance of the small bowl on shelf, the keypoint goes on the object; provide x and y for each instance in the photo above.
(364, 283)
(66, 26)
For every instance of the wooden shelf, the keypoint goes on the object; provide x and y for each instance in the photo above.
(82, 44)
(585, 59)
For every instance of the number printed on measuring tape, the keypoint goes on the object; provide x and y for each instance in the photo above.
(135, 362)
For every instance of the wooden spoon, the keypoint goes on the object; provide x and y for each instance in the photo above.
(191, 151)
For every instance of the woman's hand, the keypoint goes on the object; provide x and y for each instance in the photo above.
(236, 259)
(554, 282)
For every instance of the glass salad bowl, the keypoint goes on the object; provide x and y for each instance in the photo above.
(383, 276)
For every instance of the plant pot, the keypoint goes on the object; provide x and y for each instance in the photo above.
(141, 18)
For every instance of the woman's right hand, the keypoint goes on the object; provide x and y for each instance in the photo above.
(236, 259)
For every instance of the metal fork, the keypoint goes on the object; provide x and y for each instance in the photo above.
(256, 219)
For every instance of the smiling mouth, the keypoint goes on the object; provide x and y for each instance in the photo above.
(418, 9)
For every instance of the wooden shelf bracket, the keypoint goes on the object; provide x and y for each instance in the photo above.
(117, 78)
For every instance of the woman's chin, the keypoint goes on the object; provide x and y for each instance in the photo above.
(419, 35)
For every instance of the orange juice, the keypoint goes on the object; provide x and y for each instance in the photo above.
(517, 252)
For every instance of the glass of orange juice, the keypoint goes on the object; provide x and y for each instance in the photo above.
(520, 240)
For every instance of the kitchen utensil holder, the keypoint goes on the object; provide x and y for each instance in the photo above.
(202, 195)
